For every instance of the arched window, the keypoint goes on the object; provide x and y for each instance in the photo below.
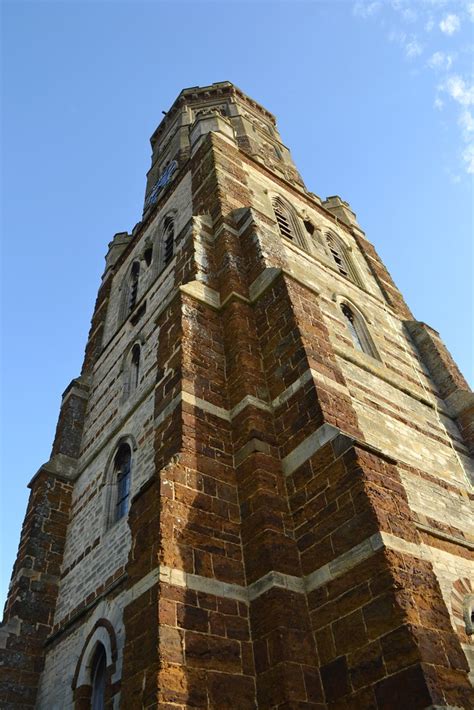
(122, 478)
(135, 367)
(283, 219)
(148, 255)
(98, 677)
(468, 615)
(287, 222)
(168, 240)
(133, 285)
(341, 258)
(358, 331)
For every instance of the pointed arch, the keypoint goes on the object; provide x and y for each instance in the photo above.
(130, 291)
(358, 331)
(341, 257)
(167, 239)
(119, 476)
(287, 221)
(100, 646)
(98, 678)
(131, 370)
(462, 606)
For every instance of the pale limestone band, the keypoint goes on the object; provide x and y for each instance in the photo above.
(249, 400)
(210, 297)
(248, 593)
(297, 456)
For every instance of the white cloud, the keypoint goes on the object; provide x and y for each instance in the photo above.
(466, 121)
(468, 158)
(450, 24)
(366, 9)
(461, 92)
(409, 14)
(455, 89)
(413, 48)
(440, 60)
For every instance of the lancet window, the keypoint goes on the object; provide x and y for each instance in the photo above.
(287, 222)
(358, 330)
(341, 258)
(122, 479)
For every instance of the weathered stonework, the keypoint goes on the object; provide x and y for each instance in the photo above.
(299, 532)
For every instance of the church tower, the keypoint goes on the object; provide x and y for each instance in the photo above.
(258, 494)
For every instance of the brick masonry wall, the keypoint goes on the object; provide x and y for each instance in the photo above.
(29, 611)
(258, 560)
(382, 629)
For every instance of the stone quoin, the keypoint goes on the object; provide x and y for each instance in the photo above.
(259, 490)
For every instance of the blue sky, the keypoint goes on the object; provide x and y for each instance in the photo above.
(373, 98)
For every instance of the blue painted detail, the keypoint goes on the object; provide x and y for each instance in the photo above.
(163, 180)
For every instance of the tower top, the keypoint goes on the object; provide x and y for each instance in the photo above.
(221, 107)
(216, 92)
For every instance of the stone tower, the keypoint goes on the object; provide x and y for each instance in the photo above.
(258, 494)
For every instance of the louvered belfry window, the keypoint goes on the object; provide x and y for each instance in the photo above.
(342, 259)
(283, 219)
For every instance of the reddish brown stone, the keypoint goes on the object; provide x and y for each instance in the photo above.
(335, 679)
(406, 689)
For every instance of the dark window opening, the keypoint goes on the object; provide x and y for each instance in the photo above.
(309, 226)
(359, 334)
(135, 367)
(282, 219)
(340, 258)
(98, 672)
(353, 329)
(122, 469)
(138, 314)
(148, 255)
(134, 278)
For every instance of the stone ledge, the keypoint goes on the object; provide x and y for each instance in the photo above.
(59, 466)
(249, 448)
(308, 447)
(300, 585)
(463, 542)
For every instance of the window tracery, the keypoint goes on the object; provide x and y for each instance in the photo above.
(342, 258)
(358, 331)
(287, 222)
